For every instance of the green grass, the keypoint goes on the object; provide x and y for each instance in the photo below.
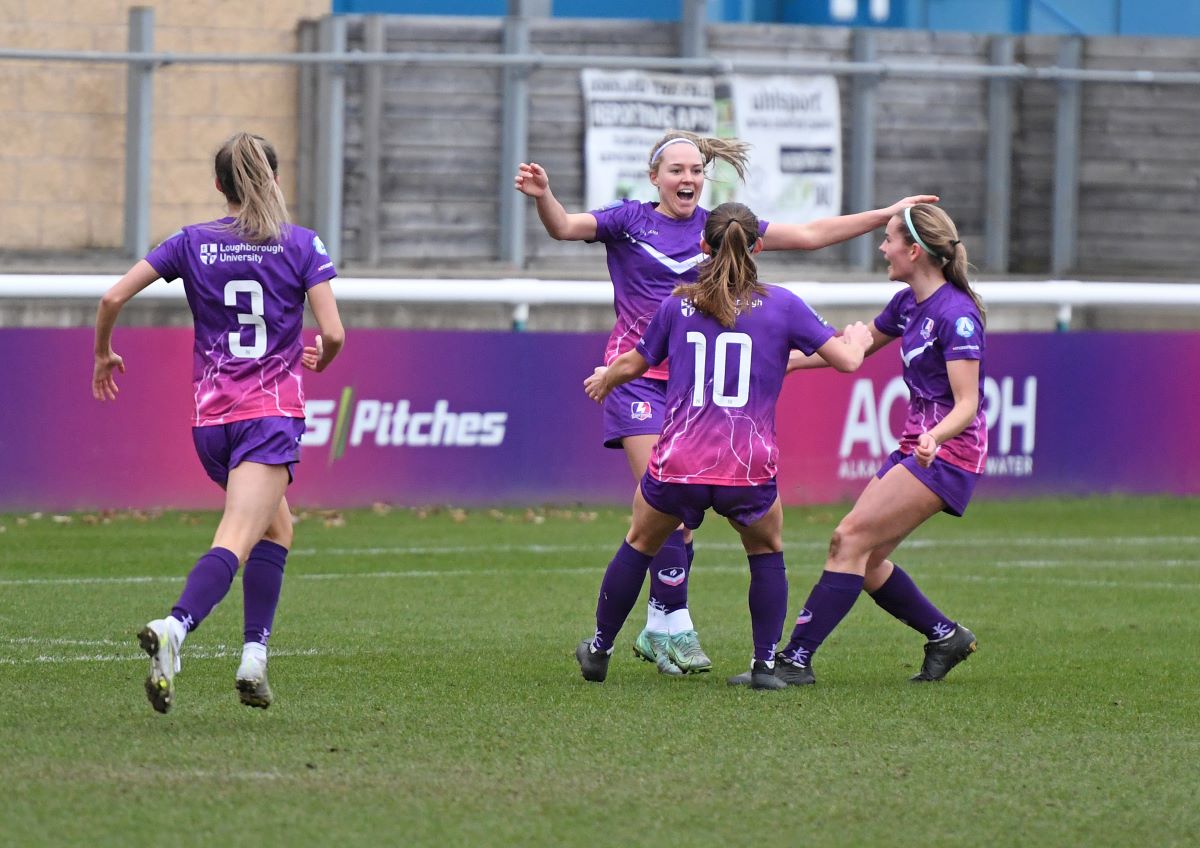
(426, 692)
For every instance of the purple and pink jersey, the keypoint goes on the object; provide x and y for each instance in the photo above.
(944, 327)
(649, 254)
(247, 303)
(719, 427)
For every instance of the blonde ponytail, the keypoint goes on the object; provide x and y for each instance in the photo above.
(246, 167)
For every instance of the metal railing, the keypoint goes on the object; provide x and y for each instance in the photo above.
(331, 59)
(520, 294)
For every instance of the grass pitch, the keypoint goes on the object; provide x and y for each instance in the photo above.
(426, 692)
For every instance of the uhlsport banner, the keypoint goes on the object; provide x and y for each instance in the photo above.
(794, 128)
(414, 418)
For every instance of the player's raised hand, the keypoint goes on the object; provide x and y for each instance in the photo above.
(927, 448)
(104, 385)
(531, 179)
(596, 386)
(311, 358)
(912, 200)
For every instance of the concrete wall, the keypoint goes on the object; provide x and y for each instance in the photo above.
(62, 124)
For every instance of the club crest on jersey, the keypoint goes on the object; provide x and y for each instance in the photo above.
(672, 576)
(965, 327)
(319, 246)
(927, 328)
(208, 254)
(639, 410)
(687, 308)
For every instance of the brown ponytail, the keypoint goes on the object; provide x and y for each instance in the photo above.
(729, 280)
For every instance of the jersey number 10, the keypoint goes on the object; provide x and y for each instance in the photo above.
(253, 318)
(720, 353)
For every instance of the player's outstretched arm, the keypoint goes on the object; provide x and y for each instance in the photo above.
(332, 335)
(107, 362)
(628, 366)
(798, 361)
(826, 231)
(847, 351)
(533, 180)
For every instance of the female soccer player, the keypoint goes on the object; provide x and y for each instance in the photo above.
(729, 337)
(942, 452)
(652, 248)
(246, 277)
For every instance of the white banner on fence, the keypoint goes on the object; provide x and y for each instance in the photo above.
(794, 125)
(625, 113)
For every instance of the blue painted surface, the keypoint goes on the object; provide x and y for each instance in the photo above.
(1058, 17)
(817, 12)
(1048, 17)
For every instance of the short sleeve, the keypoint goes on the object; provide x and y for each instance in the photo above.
(655, 340)
(961, 334)
(888, 321)
(317, 266)
(613, 220)
(807, 330)
(169, 259)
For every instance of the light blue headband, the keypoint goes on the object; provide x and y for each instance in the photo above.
(667, 144)
(913, 230)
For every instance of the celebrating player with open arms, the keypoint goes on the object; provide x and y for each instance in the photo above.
(246, 277)
(651, 249)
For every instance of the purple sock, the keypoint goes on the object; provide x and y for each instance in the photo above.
(768, 602)
(262, 579)
(207, 583)
(618, 593)
(669, 575)
(900, 597)
(691, 554)
(830, 600)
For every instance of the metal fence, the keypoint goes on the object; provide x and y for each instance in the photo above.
(324, 61)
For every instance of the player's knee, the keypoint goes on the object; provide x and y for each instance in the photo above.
(835, 543)
(280, 534)
(843, 538)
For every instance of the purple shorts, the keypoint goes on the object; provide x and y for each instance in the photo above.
(270, 441)
(952, 484)
(688, 501)
(634, 409)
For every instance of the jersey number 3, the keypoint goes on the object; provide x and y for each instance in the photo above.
(253, 318)
(720, 353)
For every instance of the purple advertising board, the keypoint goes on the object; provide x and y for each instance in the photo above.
(411, 418)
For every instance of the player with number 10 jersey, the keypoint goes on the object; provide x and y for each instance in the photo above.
(719, 426)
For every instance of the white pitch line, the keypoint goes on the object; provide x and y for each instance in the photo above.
(707, 567)
(1067, 581)
(1087, 562)
(789, 544)
(88, 581)
(192, 654)
(33, 640)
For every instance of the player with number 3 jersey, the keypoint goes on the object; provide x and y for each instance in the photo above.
(246, 277)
